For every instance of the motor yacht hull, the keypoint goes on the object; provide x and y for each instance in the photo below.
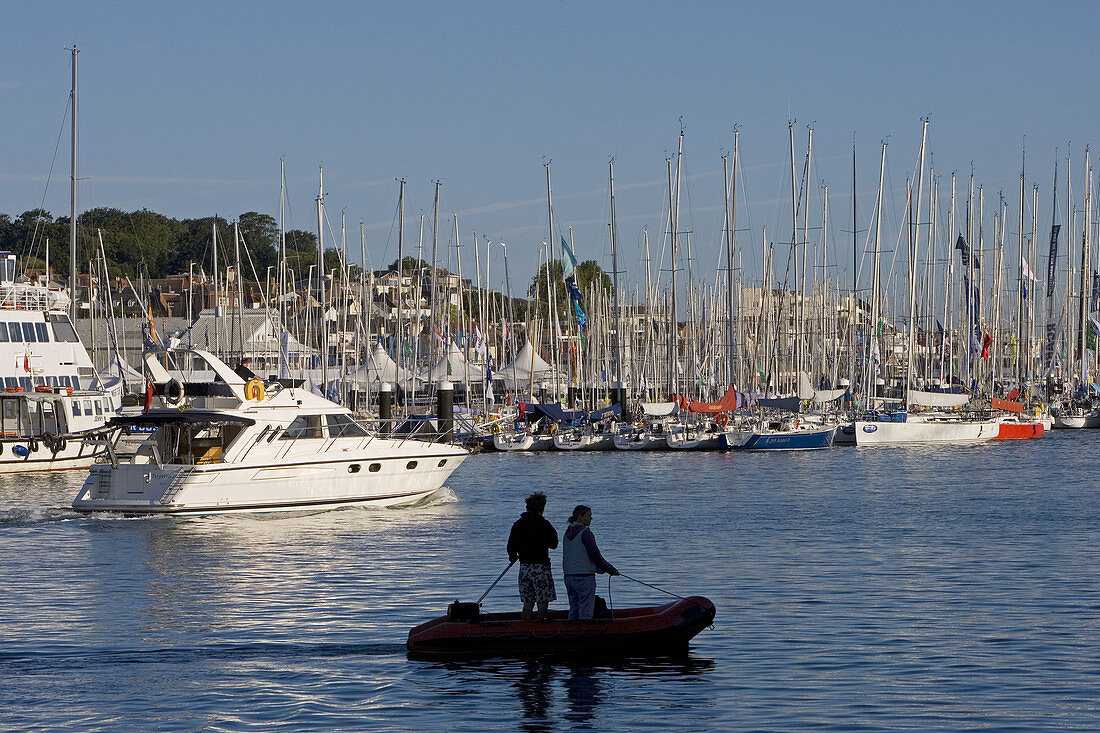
(378, 472)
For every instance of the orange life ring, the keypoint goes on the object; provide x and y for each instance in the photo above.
(723, 420)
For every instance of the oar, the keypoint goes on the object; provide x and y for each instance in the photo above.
(479, 600)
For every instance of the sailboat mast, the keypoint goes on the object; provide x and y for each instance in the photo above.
(72, 205)
(618, 356)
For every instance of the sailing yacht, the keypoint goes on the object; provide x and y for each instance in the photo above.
(237, 445)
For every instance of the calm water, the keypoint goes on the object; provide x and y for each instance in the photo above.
(857, 589)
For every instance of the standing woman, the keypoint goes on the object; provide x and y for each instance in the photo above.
(530, 542)
(581, 560)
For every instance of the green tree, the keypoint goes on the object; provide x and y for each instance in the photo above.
(584, 275)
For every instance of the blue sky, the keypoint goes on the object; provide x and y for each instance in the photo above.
(187, 109)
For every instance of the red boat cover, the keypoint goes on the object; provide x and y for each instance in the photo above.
(727, 403)
(1006, 405)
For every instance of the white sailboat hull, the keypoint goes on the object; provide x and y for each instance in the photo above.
(925, 431)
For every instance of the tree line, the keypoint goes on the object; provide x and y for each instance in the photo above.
(147, 244)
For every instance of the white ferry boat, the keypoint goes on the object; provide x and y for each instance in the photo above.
(47, 404)
(233, 445)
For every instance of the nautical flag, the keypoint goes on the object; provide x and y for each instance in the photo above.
(489, 396)
(1093, 330)
(987, 341)
(505, 332)
(1026, 276)
(568, 259)
(976, 293)
(27, 363)
(962, 246)
(1052, 258)
(284, 355)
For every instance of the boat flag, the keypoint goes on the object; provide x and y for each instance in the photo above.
(987, 341)
(568, 259)
(1052, 259)
(962, 246)
(26, 362)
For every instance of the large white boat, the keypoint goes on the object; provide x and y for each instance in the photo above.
(47, 403)
(247, 446)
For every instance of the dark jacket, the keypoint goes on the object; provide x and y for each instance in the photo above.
(531, 540)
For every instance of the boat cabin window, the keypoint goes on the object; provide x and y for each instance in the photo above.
(76, 408)
(3, 335)
(41, 332)
(29, 333)
(11, 383)
(62, 329)
(304, 426)
(15, 331)
(99, 407)
(87, 407)
(25, 383)
(343, 426)
(196, 444)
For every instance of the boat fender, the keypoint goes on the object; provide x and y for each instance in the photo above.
(254, 390)
(1, 449)
(554, 429)
(723, 420)
(496, 429)
(20, 450)
(60, 445)
(468, 612)
(173, 392)
(33, 445)
(48, 441)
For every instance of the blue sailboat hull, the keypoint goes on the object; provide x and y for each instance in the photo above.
(794, 440)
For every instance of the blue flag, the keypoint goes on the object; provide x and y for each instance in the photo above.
(568, 259)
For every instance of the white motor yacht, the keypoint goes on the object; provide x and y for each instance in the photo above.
(248, 446)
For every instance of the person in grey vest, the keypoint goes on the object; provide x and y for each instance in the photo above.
(581, 560)
(530, 541)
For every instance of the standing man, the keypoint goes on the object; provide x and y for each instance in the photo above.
(581, 560)
(530, 542)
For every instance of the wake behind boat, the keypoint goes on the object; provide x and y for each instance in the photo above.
(237, 446)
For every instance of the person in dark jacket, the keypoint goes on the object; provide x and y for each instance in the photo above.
(530, 542)
(581, 560)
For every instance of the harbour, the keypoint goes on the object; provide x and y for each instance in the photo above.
(614, 366)
(890, 588)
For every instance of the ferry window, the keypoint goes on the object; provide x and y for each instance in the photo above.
(64, 382)
(3, 335)
(76, 408)
(62, 329)
(443, 463)
(374, 467)
(76, 382)
(41, 332)
(354, 468)
(11, 382)
(87, 407)
(28, 333)
(343, 426)
(15, 331)
(51, 381)
(25, 383)
(99, 407)
(11, 409)
(410, 465)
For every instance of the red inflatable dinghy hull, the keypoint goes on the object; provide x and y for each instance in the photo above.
(630, 632)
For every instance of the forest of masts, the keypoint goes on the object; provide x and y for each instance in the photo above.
(948, 296)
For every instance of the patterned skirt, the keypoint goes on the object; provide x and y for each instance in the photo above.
(536, 584)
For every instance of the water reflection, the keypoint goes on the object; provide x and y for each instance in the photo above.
(554, 692)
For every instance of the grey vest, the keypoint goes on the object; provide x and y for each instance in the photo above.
(574, 557)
